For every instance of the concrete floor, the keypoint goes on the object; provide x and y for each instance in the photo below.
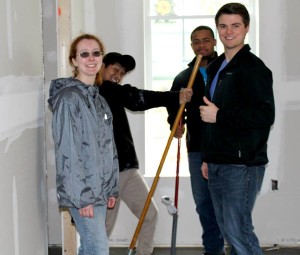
(190, 251)
(197, 251)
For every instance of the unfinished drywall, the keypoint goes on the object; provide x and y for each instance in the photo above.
(277, 213)
(23, 182)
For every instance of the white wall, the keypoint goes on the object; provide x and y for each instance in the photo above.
(276, 215)
(23, 196)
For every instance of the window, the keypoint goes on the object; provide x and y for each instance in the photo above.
(168, 25)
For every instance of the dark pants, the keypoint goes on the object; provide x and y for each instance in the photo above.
(212, 239)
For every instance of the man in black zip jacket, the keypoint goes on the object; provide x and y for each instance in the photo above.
(202, 42)
(238, 115)
(133, 189)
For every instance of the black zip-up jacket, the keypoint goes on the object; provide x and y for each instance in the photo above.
(244, 96)
(120, 96)
(192, 113)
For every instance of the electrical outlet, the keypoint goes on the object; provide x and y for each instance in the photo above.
(274, 185)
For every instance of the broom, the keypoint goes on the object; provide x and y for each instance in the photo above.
(156, 178)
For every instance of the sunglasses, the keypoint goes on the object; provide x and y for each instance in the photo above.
(86, 54)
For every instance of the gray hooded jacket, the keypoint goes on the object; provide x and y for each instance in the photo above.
(86, 158)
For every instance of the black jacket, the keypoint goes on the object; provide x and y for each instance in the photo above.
(191, 114)
(120, 96)
(244, 96)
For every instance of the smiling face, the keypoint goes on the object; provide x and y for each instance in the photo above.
(113, 72)
(87, 66)
(232, 32)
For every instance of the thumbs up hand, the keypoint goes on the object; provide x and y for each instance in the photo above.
(208, 112)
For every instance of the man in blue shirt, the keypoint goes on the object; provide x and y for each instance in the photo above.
(238, 114)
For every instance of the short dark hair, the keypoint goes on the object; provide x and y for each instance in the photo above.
(203, 28)
(234, 8)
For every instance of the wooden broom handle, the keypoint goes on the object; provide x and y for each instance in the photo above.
(155, 181)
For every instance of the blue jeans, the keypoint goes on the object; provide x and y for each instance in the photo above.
(93, 239)
(234, 189)
(212, 239)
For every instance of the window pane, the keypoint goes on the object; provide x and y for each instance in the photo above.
(187, 7)
(167, 45)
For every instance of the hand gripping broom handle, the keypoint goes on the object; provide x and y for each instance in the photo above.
(155, 181)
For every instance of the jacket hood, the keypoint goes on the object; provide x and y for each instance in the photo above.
(57, 85)
(60, 84)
